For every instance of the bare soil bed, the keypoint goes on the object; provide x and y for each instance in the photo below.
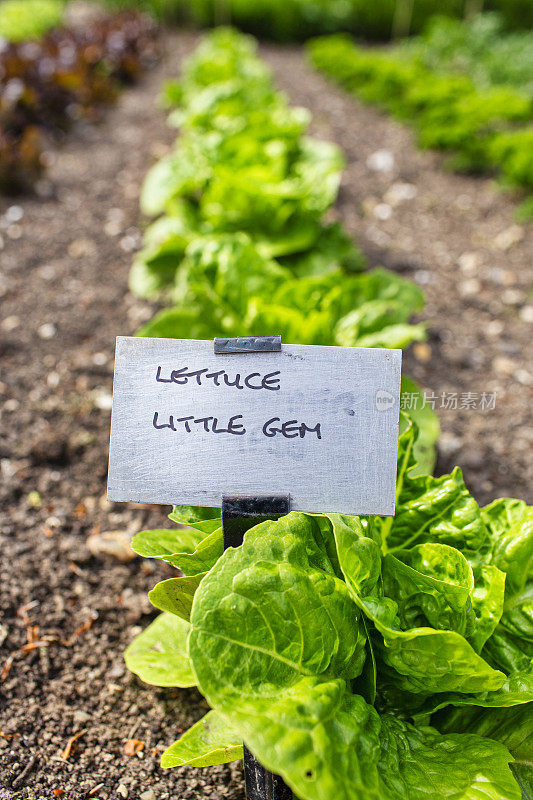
(63, 288)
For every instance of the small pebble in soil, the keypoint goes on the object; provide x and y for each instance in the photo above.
(111, 543)
(495, 327)
(10, 323)
(103, 400)
(52, 380)
(422, 352)
(47, 331)
(524, 377)
(470, 287)
(81, 247)
(382, 211)
(122, 790)
(464, 202)
(513, 297)
(130, 242)
(469, 263)
(399, 192)
(34, 499)
(80, 717)
(526, 314)
(503, 365)
(14, 231)
(449, 443)
(14, 214)
(112, 228)
(423, 277)
(381, 161)
(509, 237)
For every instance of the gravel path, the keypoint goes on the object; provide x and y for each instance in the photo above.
(63, 289)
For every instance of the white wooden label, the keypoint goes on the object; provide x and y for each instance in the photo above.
(318, 423)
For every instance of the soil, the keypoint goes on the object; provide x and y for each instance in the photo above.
(64, 298)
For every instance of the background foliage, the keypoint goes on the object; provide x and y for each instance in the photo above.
(296, 20)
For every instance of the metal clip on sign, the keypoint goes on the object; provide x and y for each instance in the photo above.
(238, 515)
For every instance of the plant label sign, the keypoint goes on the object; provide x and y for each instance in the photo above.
(317, 423)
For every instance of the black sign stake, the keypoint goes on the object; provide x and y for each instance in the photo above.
(238, 515)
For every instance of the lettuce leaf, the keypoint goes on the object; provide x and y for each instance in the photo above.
(159, 654)
(209, 741)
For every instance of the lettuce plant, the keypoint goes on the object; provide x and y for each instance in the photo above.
(224, 285)
(242, 164)
(84, 69)
(29, 19)
(484, 121)
(357, 657)
(479, 47)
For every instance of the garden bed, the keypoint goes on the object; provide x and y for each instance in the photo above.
(64, 270)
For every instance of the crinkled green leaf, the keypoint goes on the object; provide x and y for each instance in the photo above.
(203, 519)
(512, 726)
(319, 737)
(421, 764)
(517, 616)
(176, 594)
(332, 251)
(439, 510)
(523, 773)
(285, 615)
(425, 660)
(428, 661)
(509, 653)
(187, 549)
(165, 242)
(159, 654)
(164, 542)
(517, 690)
(228, 267)
(510, 523)
(431, 585)
(179, 323)
(432, 509)
(427, 424)
(210, 741)
(167, 179)
(487, 603)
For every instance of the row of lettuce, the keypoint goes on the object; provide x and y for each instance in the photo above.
(384, 658)
(465, 87)
(240, 245)
(68, 74)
